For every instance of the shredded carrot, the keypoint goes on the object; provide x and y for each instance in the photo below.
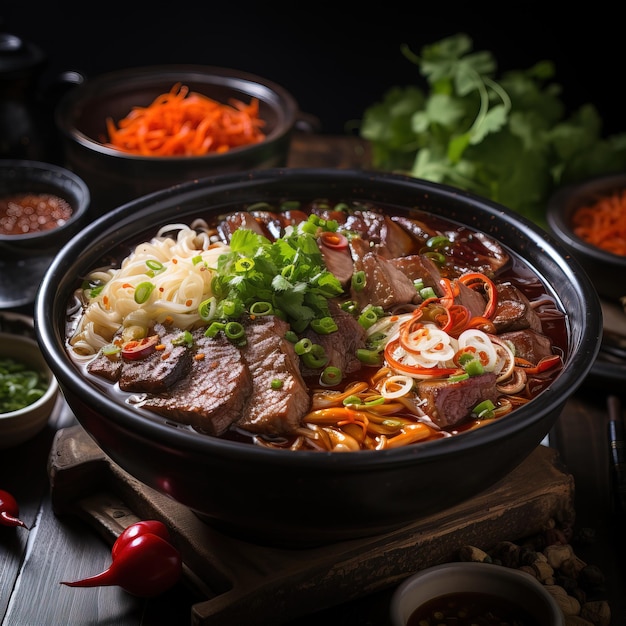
(603, 223)
(186, 123)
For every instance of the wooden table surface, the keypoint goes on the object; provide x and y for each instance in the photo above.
(56, 548)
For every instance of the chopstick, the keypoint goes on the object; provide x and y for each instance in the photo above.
(617, 442)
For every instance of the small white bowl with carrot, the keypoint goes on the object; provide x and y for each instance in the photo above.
(139, 130)
(590, 220)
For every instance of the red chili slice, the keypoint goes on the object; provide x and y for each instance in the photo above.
(334, 241)
(134, 350)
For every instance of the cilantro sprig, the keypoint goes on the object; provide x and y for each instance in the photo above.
(505, 137)
(288, 273)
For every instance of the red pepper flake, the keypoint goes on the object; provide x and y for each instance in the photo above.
(169, 319)
(165, 356)
(160, 346)
(161, 289)
(188, 302)
(174, 261)
(127, 286)
(199, 356)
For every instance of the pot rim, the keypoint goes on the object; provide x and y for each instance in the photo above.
(553, 255)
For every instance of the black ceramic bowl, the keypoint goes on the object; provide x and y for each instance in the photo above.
(303, 498)
(605, 269)
(25, 257)
(115, 177)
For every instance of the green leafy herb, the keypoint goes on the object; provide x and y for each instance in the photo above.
(20, 385)
(506, 138)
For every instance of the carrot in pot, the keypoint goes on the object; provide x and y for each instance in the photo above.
(186, 123)
(603, 223)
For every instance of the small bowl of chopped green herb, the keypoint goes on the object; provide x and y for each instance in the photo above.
(28, 390)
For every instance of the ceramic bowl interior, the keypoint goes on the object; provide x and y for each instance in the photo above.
(304, 498)
(605, 269)
(116, 177)
(513, 586)
(18, 426)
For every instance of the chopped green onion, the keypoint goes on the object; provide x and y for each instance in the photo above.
(369, 357)
(19, 385)
(455, 378)
(349, 306)
(261, 308)
(277, 383)
(331, 376)
(484, 409)
(244, 265)
(315, 358)
(234, 330)
(214, 328)
(436, 257)
(352, 401)
(110, 349)
(303, 346)
(324, 325)
(197, 259)
(143, 291)
(474, 367)
(155, 265)
(291, 336)
(419, 284)
(185, 338)
(427, 292)
(207, 308)
(438, 241)
(377, 402)
(358, 280)
(368, 317)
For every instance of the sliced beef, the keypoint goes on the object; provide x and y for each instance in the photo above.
(385, 284)
(382, 234)
(513, 310)
(271, 357)
(339, 263)
(450, 403)
(471, 299)
(160, 369)
(418, 266)
(106, 366)
(244, 220)
(212, 396)
(340, 346)
(529, 344)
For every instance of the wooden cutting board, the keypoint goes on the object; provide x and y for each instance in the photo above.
(252, 584)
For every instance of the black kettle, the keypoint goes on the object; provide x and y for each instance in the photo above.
(27, 129)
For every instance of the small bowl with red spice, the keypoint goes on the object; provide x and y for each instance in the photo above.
(589, 219)
(42, 206)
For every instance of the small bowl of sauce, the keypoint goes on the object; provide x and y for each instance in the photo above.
(467, 593)
(42, 206)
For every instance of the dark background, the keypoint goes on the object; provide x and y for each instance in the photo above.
(335, 63)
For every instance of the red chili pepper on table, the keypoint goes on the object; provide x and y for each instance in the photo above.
(9, 510)
(144, 564)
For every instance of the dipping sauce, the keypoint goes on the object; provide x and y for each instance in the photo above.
(21, 214)
(471, 609)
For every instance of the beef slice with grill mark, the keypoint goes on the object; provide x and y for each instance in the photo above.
(161, 368)
(513, 310)
(450, 403)
(270, 357)
(213, 394)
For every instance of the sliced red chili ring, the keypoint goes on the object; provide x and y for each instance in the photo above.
(139, 349)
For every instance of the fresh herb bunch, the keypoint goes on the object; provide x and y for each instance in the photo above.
(507, 138)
